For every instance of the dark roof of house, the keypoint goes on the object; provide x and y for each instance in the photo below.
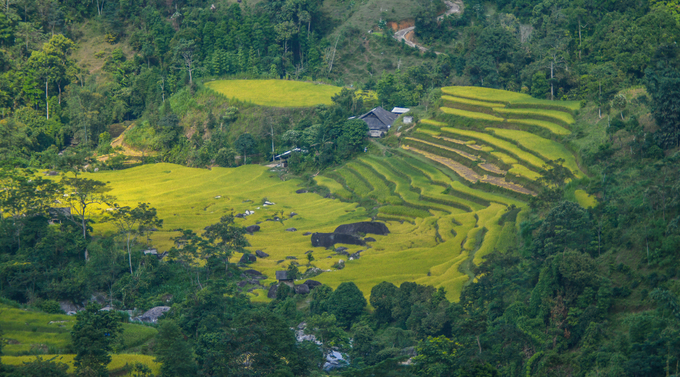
(378, 118)
(59, 211)
(282, 275)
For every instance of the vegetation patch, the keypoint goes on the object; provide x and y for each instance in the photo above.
(584, 199)
(276, 93)
(118, 361)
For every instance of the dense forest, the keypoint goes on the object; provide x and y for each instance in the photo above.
(586, 292)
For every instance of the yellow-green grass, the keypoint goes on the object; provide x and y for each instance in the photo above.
(584, 199)
(560, 116)
(488, 218)
(471, 102)
(504, 158)
(500, 144)
(118, 361)
(276, 93)
(523, 171)
(550, 150)
(404, 211)
(354, 183)
(504, 96)
(381, 192)
(428, 132)
(552, 127)
(333, 186)
(470, 114)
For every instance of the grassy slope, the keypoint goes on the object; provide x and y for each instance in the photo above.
(32, 332)
(276, 93)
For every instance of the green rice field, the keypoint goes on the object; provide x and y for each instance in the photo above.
(470, 114)
(276, 93)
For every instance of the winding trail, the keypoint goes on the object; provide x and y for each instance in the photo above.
(406, 34)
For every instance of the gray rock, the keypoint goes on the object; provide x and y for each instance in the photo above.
(369, 239)
(309, 252)
(356, 255)
(68, 306)
(301, 191)
(292, 214)
(302, 289)
(363, 227)
(239, 215)
(254, 273)
(252, 229)
(247, 258)
(311, 283)
(290, 257)
(261, 254)
(306, 233)
(272, 291)
(330, 239)
(342, 252)
(153, 314)
(335, 360)
(340, 249)
(291, 230)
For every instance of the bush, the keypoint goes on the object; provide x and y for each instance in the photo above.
(50, 306)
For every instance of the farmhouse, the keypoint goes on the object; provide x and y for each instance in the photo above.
(379, 121)
(282, 277)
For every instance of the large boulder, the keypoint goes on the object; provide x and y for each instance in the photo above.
(363, 227)
(252, 229)
(272, 291)
(330, 239)
(312, 283)
(301, 289)
(153, 314)
(261, 254)
(247, 258)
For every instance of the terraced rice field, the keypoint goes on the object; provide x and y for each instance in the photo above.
(470, 114)
(548, 149)
(503, 96)
(435, 231)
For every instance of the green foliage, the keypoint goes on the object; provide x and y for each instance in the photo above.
(347, 303)
(93, 336)
(173, 351)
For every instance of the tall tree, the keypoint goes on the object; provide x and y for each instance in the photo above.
(132, 222)
(93, 337)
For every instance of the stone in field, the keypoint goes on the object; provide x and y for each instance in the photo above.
(261, 254)
(363, 227)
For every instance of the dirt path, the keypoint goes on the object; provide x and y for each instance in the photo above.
(406, 34)
(126, 149)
